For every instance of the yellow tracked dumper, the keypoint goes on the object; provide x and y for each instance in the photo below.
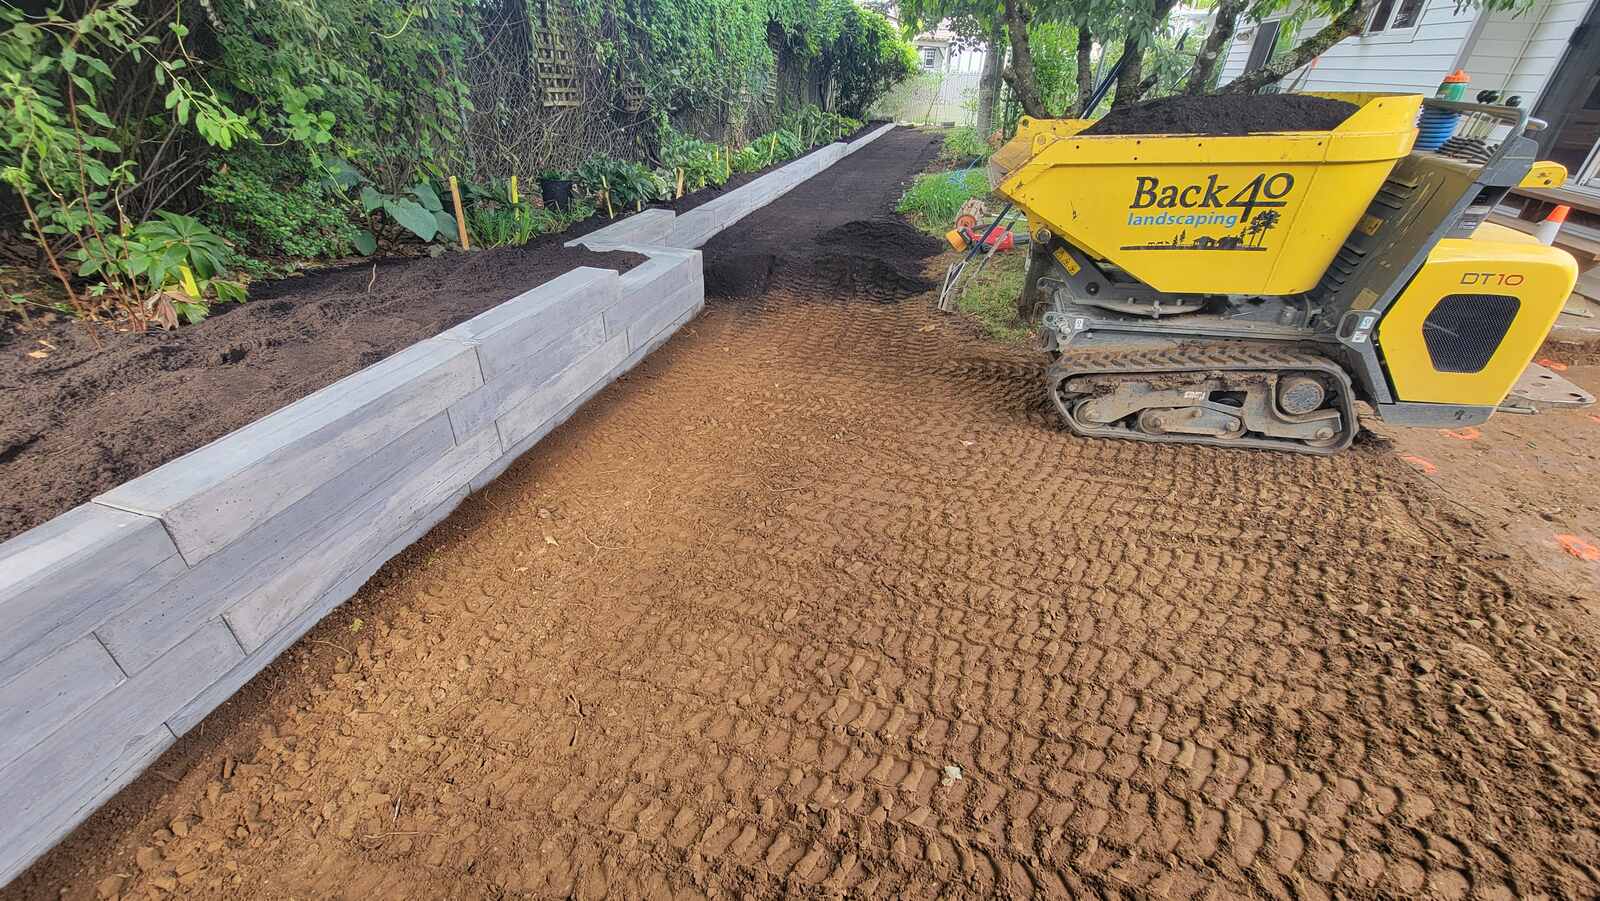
(1246, 291)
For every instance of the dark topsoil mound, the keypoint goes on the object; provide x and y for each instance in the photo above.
(84, 417)
(835, 236)
(1225, 114)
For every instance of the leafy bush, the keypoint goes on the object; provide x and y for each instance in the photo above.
(629, 185)
(263, 203)
(933, 200)
(701, 161)
(173, 261)
(963, 144)
(510, 225)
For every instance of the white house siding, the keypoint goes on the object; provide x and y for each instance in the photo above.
(1517, 55)
(1409, 59)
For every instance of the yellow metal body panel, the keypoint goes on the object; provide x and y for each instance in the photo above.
(1540, 277)
(1259, 214)
(1544, 174)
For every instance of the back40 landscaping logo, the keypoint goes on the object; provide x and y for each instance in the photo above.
(1252, 209)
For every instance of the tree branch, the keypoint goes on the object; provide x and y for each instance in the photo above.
(1344, 25)
(1222, 31)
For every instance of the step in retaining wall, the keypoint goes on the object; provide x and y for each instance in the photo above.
(124, 621)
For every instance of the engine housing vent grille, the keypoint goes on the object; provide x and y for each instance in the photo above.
(1463, 330)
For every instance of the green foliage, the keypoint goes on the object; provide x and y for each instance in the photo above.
(276, 206)
(629, 184)
(702, 162)
(990, 295)
(963, 144)
(65, 157)
(933, 200)
(170, 257)
(509, 225)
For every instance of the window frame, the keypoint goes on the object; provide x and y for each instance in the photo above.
(1390, 9)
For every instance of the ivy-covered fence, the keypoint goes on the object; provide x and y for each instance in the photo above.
(314, 128)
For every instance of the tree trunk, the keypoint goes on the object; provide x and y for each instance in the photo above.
(989, 85)
(1130, 82)
(1020, 74)
(1344, 25)
(1217, 39)
(1085, 70)
(1132, 74)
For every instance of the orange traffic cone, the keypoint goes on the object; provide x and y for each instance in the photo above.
(1547, 230)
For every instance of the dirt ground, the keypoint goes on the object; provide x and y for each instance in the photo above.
(1526, 483)
(821, 601)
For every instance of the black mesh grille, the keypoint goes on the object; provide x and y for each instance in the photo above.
(1463, 330)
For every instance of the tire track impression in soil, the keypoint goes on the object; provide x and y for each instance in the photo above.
(723, 633)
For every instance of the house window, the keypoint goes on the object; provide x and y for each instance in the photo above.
(930, 57)
(1394, 15)
(1261, 48)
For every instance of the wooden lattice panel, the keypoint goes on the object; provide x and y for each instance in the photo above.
(554, 51)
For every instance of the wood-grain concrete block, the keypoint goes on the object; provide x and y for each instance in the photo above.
(60, 580)
(210, 497)
(514, 331)
(140, 634)
(354, 535)
(224, 688)
(549, 398)
(51, 692)
(57, 782)
(641, 228)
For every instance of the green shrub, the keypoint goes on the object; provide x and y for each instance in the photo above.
(933, 200)
(270, 208)
(630, 184)
(964, 144)
(510, 225)
(701, 161)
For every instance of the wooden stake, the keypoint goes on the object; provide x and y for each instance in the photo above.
(605, 190)
(680, 183)
(461, 219)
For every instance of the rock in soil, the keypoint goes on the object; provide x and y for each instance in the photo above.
(1225, 114)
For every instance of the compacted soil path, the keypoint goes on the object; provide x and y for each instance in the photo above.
(821, 601)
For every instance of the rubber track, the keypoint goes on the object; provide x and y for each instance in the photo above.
(1226, 356)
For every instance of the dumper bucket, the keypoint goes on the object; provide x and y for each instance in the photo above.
(1196, 214)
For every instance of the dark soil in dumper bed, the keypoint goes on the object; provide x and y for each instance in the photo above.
(1225, 114)
(84, 412)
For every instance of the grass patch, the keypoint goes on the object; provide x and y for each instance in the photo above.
(990, 296)
(933, 200)
(964, 144)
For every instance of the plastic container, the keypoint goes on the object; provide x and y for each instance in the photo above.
(1198, 214)
(1436, 126)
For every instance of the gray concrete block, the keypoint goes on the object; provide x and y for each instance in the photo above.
(652, 319)
(224, 688)
(45, 828)
(869, 137)
(640, 228)
(516, 385)
(636, 298)
(550, 397)
(498, 467)
(696, 227)
(55, 783)
(210, 497)
(140, 634)
(659, 338)
(514, 331)
(52, 692)
(354, 535)
(60, 580)
(667, 271)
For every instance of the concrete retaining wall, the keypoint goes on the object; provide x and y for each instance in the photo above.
(125, 621)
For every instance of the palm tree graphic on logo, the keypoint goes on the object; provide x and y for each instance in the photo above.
(1264, 222)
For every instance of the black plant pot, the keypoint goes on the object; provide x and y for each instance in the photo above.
(556, 192)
